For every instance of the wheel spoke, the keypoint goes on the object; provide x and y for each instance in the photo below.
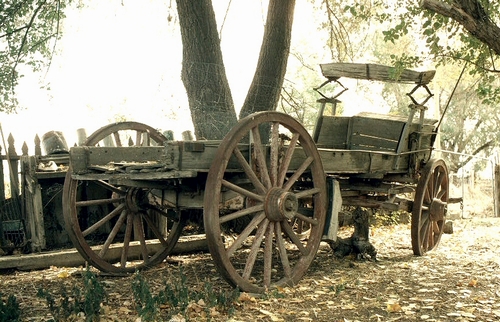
(268, 254)
(126, 240)
(249, 172)
(285, 163)
(138, 138)
(118, 141)
(113, 233)
(259, 156)
(99, 202)
(245, 233)
(140, 236)
(273, 167)
(307, 193)
(307, 219)
(153, 228)
(103, 220)
(161, 212)
(241, 213)
(293, 237)
(242, 191)
(252, 256)
(298, 173)
(282, 251)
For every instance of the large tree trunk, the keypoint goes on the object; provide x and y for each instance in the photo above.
(472, 16)
(203, 72)
(265, 89)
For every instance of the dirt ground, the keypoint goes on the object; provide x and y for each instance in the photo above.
(460, 281)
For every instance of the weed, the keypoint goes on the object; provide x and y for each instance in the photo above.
(9, 311)
(63, 305)
(146, 304)
(273, 293)
(180, 299)
(337, 288)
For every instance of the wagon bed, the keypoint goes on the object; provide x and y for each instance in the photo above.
(267, 194)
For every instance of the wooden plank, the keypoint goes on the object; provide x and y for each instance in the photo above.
(173, 174)
(375, 164)
(375, 72)
(72, 258)
(392, 117)
(82, 157)
(333, 132)
(374, 134)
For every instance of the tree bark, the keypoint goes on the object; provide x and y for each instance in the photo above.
(265, 89)
(359, 242)
(465, 12)
(203, 71)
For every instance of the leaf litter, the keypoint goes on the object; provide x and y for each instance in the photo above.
(459, 281)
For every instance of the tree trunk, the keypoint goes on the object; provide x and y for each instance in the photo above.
(265, 89)
(359, 243)
(203, 72)
(471, 15)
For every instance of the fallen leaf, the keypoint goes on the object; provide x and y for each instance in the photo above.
(393, 307)
(63, 274)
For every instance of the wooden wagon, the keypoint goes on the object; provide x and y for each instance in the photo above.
(268, 193)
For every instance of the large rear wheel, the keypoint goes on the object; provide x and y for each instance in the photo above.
(265, 203)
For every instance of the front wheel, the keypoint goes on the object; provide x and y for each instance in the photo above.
(429, 207)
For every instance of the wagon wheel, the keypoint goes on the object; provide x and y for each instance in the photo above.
(429, 207)
(115, 227)
(282, 185)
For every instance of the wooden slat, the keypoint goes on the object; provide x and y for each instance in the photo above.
(375, 72)
(333, 132)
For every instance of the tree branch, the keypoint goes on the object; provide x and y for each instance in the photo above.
(482, 29)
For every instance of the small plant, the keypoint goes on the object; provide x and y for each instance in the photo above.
(273, 293)
(9, 310)
(338, 288)
(64, 305)
(146, 303)
(180, 300)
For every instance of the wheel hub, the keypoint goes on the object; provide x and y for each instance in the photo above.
(280, 205)
(437, 209)
(134, 199)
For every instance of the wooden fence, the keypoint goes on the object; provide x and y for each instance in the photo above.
(12, 229)
(30, 200)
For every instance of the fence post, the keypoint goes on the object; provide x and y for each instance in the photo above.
(14, 167)
(2, 183)
(497, 190)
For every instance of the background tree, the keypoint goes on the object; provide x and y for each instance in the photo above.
(449, 35)
(203, 72)
(267, 83)
(29, 30)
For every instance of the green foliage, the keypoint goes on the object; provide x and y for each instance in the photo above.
(9, 309)
(177, 296)
(29, 30)
(338, 288)
(146, 304)
(443, 40)
(65, 305)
